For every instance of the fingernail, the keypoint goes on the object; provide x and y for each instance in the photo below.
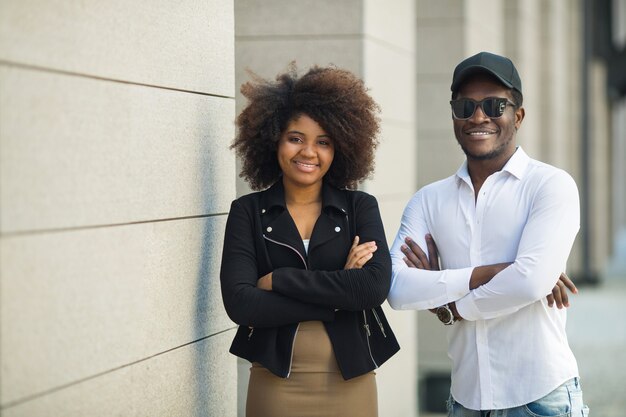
(403, 248)
(428, 236)
(408, 239)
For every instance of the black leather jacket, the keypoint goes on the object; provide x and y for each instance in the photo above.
(261, 237)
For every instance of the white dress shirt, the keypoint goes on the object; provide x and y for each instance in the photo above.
(511, 348)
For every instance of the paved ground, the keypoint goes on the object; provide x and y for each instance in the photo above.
(597, 334)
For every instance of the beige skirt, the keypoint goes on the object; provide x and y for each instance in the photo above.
(314, 387)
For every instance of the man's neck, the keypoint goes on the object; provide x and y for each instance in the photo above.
(479, 170)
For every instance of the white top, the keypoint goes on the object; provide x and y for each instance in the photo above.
(306, 244)
(511, 349)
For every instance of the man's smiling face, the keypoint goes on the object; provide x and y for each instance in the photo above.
(481, 137)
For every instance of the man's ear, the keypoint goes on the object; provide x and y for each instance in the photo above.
(519, 117)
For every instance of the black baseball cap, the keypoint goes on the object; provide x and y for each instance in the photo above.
(500, 67)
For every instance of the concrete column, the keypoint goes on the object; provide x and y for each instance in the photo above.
(572, 104)
(438, 154)
(617, 265)
(600, 154)
(523, 31)
(480, 36)
(557, 142)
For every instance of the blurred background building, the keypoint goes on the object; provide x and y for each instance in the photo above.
(116, 179)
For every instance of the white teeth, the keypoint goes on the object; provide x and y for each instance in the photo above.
(479, 133)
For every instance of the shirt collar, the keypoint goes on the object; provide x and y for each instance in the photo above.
(516, 166)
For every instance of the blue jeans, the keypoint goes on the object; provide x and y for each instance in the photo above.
(565, 401)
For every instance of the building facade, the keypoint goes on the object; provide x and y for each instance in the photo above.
(116, 177)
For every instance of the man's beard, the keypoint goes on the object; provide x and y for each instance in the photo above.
(498, 151)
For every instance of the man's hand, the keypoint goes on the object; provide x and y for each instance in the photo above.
(415, 257)
(559, 292)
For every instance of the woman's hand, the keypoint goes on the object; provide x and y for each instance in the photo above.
(360, 254)
(559, 292)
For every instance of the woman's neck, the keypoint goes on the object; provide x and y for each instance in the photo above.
(304, 205)
(301, 196)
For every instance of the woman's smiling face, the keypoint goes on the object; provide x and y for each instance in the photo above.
(305, 152)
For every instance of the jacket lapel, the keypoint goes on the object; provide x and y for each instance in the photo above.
(327, 227)
(282, 229)
(332, 222)
(277, 224)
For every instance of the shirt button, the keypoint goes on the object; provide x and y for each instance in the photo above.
(337, 229)
(269, 229)
(262, 211)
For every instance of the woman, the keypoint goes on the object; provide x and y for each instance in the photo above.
(305, 265)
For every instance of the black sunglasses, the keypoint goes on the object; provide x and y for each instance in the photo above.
(493, 107)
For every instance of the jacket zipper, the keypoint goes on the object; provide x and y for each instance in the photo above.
(365, 325)
(367, 330)
(380, 324)
(295, 334)
(290, 247)
(293, 344)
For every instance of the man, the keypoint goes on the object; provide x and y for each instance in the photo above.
(504, 225)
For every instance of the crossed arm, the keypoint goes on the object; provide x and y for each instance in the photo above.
(362, 276)
(253, 302)
(358, 256)
(415, 257)
(486, 291)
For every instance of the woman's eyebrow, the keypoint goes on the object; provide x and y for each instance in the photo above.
(301, 133)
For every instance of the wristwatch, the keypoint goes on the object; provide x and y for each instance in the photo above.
(444, 314)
